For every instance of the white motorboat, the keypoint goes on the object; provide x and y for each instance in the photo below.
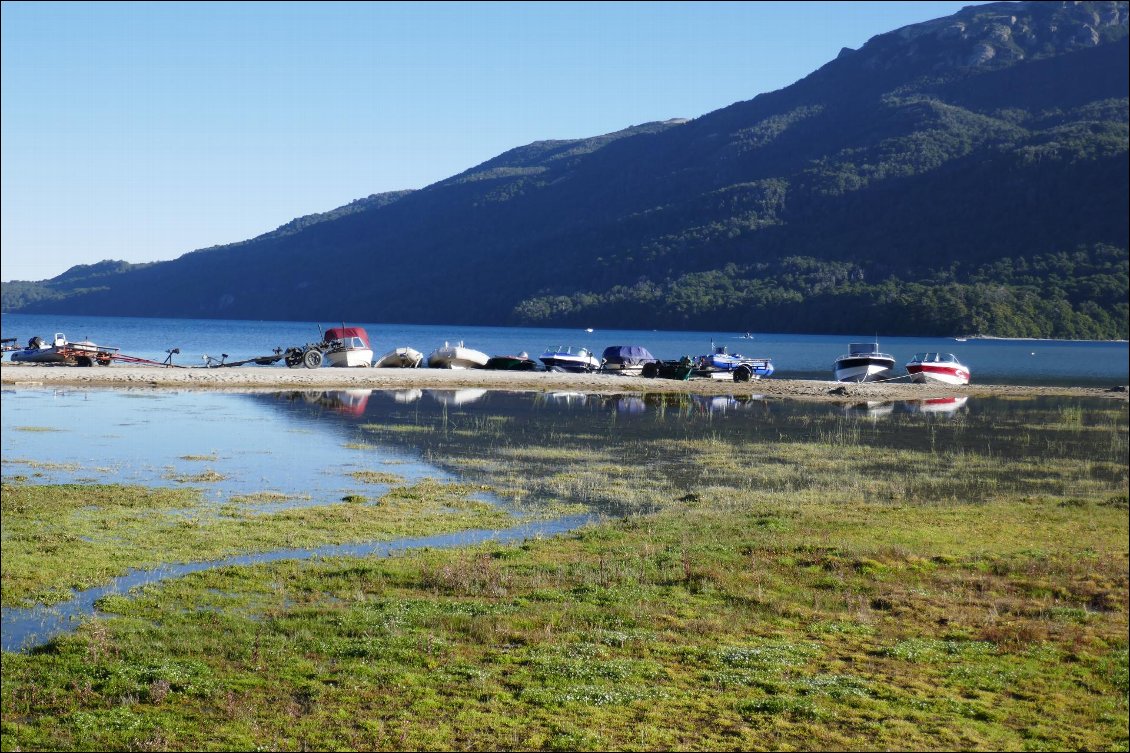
(400, 358)
(864, 363)
(457, 356)
(942, 368)
(347, 346)
(569, 358)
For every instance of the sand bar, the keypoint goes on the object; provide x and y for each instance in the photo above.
(272, 378)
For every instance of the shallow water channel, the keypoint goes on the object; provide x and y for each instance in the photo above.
(300, 449)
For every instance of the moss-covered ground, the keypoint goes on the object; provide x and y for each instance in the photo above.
(813, 592)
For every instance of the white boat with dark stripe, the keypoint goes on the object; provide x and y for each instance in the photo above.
(864, 363)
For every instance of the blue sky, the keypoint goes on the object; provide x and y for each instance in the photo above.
(142, 131)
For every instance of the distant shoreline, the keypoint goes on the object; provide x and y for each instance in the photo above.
(258, 378)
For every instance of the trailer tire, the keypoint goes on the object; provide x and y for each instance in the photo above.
(312, 359)
(743, 373)
(650, 370)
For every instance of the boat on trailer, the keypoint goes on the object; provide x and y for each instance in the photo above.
(348, 346)
(941, 368)
(61, 351)
(864, 363)
(721, 364)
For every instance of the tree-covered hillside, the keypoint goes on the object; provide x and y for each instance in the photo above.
(966, 175)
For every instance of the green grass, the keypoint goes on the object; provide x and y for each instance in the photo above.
(816, 588)
(693, 628)
(56, 538)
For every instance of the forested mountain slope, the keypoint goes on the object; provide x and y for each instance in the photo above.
(965, 175)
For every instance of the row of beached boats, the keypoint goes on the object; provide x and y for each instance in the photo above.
(351, 347)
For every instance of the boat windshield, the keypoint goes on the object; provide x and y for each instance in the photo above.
(935, 358)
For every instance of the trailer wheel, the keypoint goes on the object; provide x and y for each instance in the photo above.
(743, 374)
(312, 359)
(650, 370)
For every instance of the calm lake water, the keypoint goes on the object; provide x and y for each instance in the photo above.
(1032, 362)
(304, 446)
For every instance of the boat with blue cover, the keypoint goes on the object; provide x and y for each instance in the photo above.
(628, 360)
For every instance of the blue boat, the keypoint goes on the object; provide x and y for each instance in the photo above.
(721, 364)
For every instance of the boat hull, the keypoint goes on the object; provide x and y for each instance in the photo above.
(925, 373)
(573, 365)
(400, 358)
(457, 358)
(864, 369)
(511, 363)
(352, 358)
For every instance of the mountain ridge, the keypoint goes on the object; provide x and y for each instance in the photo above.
(919, 158)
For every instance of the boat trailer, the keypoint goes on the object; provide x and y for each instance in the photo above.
(310, 355)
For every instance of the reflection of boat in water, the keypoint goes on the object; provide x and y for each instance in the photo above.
(457, 397)
(567, 398)
(407, 396)
(457, 356)
(629, 404)
(871, 408)
(939, 405)
(347, 346)
(628, 360)
(864, 363)
(347, 402)
(400, 358)
(715, 403)
(943, 368)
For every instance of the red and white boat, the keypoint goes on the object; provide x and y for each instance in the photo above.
(348, 346)
(943, 368)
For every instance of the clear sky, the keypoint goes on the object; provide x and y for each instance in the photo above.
(141, 131)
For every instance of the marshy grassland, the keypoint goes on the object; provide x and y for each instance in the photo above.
(819, 580)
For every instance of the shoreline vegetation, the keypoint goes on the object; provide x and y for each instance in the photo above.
(269, 379)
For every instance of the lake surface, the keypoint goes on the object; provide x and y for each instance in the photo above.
(304, 446)
(1030, 362)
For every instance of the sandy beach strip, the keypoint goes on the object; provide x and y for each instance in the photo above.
(270, 378)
